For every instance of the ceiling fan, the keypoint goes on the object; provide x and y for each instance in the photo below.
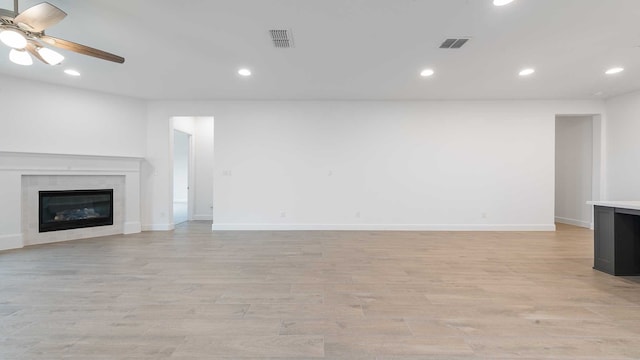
(24, 33)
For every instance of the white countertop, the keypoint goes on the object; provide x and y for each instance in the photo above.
(633, 205)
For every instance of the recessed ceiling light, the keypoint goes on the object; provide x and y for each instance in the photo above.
(244, 72)
(72, 72)
(599, 93)
(502, 2)
(527, 72)
(615, 70)
(427, 72)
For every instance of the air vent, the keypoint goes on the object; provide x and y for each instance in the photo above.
(281, 38)
(454, 43)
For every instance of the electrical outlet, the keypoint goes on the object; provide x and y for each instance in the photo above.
(358, 214)
(283, 214)
(484, 215)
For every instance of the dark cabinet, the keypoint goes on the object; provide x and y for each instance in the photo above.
(616, 240)
(603, 250)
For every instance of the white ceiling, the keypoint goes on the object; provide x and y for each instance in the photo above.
(347, 49)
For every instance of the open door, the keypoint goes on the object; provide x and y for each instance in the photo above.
(181, 176)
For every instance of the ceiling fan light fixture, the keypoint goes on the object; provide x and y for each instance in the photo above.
(50, 56)
(20, 57)
(13, 39)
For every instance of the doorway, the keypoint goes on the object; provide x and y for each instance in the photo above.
(192, 169)
(181, 176)
(577, 168)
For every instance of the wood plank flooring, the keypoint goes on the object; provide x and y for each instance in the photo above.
(194, 294)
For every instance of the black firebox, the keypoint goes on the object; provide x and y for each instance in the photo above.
(73, 209)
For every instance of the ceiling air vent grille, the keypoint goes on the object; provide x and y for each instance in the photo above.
(454, 43)
(281, 38)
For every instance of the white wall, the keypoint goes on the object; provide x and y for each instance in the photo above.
(43, 118)
(623, 151)
(186, 124)
(180, 166)
(305, 164)
(373, 165)
(292, 165)
(574, 166)
(203, 168)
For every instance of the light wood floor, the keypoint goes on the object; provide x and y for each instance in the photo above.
(193, 294)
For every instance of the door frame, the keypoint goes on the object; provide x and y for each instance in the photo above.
(597, 158)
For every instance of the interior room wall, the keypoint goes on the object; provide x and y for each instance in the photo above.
(180, 167)
(186, 124)
(203, 168)
(623, 147)
(325, 164)
(455, 165)
(574, 166)
(43, 118)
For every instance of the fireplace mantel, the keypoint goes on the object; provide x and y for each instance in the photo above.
(15, 168)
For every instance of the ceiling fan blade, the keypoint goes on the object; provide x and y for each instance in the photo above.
(81, 49)
(39, 17)
(33, 50)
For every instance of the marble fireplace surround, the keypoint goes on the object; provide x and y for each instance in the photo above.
(22, 175)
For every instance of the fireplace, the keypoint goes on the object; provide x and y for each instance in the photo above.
(73, 209)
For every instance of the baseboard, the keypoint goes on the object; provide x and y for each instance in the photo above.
(8, 242)
(574, 222)
(132, 227)
(158, 227)
(203, 217)
(382, 227)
